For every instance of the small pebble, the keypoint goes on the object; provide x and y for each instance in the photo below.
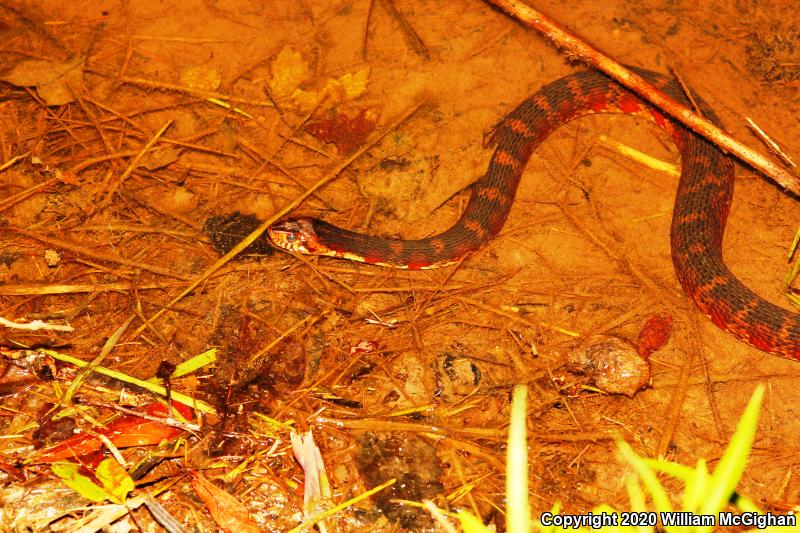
(52, 258)
(612, 364)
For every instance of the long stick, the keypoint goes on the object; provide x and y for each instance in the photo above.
(580, 49)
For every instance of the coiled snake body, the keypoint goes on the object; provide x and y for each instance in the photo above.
(701, 209)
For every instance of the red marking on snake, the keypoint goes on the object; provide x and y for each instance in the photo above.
(696, 248)
(518, 126)
(660, 120)
(629, 104)
(475, 227)
(597, 104)
(490, 193)
(503, 157)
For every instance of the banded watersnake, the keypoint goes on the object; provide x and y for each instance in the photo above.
(701, 209)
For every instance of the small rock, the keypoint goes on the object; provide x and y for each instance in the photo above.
(611, 363)
(52, 258)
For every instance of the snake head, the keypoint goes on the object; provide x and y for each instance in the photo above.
(295, 235)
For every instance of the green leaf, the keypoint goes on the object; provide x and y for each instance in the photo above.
(648, 476)
(696, 487)
(115, 479)
(68, 472)
(637, 499)
(729, 471)
(682, 472)
(471, 523)
(551, 528)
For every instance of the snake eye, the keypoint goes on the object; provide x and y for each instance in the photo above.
(291, 237)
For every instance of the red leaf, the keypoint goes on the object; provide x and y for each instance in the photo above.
(654, 334)
(123, 432)
(346, 133)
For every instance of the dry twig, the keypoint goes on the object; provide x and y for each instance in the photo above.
(35, 325)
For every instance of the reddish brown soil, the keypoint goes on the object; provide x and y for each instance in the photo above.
(586, 248)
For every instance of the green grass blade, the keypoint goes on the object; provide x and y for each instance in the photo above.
(729, 471)
(471, 523)
(517, 505)
(682, 472)
(696, 487)
(647, 475)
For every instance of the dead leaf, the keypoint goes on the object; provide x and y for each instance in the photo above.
(51, 79)
(227, 511)
(289, 70)
(161, 157)
(317, 494)
(348, 87)
(355, 83)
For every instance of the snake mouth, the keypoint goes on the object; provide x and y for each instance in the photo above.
(296, 235)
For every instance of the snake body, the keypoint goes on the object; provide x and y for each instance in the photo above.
(701, 208)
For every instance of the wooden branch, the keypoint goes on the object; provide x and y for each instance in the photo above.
(579, 49)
